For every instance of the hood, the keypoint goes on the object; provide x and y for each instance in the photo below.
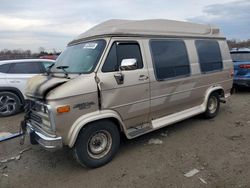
(40, 85)
(80, 85)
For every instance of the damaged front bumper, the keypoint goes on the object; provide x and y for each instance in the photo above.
(46, 141)
(39, 125)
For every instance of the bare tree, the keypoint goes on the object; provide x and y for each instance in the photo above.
(233, 43)
(41, 49)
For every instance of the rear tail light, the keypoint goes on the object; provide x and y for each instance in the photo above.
(245, 66)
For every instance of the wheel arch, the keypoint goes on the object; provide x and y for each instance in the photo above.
(86, 119)
(210, 90)
(220, 92)
(15, 91)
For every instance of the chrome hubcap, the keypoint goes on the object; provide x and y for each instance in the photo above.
(7, 105)
(212, 104)
(99, 144)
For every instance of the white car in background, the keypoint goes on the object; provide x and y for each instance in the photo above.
(13, 77)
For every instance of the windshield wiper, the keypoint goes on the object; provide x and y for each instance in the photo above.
(63, 68)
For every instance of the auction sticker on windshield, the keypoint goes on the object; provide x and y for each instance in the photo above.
(91, 45)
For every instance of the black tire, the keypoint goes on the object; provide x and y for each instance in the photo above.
(212, 109)
(236, 88)
(10, 104)
(87, 140)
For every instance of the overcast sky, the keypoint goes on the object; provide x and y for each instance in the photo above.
(30, 24)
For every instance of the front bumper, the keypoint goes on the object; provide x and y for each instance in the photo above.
(47, 142)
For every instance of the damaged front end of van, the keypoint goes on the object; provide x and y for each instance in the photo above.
(56, 99)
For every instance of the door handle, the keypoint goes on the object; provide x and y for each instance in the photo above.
(143, 77)
(119, 77)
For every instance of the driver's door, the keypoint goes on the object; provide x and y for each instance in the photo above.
(129, 98)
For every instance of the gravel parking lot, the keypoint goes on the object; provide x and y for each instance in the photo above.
(217, 148)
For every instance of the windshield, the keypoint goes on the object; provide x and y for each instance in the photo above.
(240, 56)
(80, 58)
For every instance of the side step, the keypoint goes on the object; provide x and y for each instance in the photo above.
(139, 130)
(164, 121)
(176, 117)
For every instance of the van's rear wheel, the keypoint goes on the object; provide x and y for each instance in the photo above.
(213, 105)
(97, 144)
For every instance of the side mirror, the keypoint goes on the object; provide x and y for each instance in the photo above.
(128, 64)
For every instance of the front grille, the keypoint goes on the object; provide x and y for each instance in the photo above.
(36, 118)
(39, 114)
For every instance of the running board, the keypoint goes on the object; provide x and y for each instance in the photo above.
(179, 116)
(164, 121)
(137, 131)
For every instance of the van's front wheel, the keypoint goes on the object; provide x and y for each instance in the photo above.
(213, 105)
(97, 144)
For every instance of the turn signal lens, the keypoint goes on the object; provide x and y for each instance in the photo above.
(63, 109)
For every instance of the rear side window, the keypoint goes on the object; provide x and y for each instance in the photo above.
(120, 51)
(4, 68)
(26, 68)
(170, 58)
(209, 55)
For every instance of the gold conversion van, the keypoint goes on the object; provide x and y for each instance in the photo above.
(127, 77)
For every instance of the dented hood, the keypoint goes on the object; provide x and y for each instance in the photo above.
(40, 85)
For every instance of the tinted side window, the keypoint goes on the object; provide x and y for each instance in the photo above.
(209, 55)
(120, 51)
(25, 68)
(170, 58)
(4, 68)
